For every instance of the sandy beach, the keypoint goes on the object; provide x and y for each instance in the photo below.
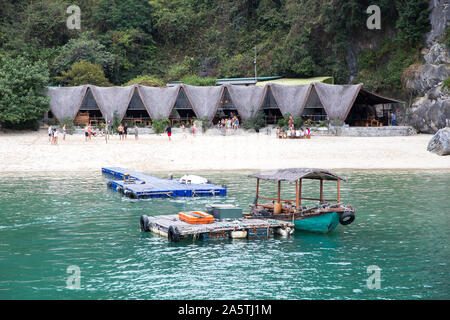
(31, 151)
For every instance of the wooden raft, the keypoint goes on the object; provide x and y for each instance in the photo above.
(255, 228)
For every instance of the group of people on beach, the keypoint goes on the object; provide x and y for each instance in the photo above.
(53, 134)
(229, 123)
(292, 133)
(123, 131)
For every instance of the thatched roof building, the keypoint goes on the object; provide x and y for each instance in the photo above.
(335, 100)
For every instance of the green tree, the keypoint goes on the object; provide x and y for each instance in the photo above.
(22, 85)
(123, 15)
(84, 72)
(146, 80)
(84, 48)
(44, 23)
(413, 20)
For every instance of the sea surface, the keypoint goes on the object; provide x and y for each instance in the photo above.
(54, 225)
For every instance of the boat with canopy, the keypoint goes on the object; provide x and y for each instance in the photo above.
(323, 217)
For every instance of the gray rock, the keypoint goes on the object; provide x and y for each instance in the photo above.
(427, 115)
(437, 54)
(439, 17)
(440, 143)
(430, 76)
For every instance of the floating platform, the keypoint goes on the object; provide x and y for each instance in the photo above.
(174, 229)
(140, 185)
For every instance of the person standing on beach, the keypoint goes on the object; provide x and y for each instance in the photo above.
(183, 130)
(169, 131)
(136, 132)
(120, 128)
(50, 132)
(394, 119)
(55, 136)
(194, 128)
(86, 133)
(89, 132)
(291, 122)
(125, 130)
(64, 132)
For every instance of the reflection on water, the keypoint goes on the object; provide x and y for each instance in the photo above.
(49, 222)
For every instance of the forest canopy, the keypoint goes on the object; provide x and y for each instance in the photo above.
(169, 40)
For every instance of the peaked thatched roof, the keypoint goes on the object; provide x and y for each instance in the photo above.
(246, 99)
(337, 99)
(204, 100)
(293, 174)
(291, 99)
(110, 99)
(65, 101)
(159, 102)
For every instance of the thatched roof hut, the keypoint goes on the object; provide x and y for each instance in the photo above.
(293, 174)
(66, 101)
(204, 100)
(247, 99)
(337, 99)
(111, 99)
(158, 101)
(291, 99)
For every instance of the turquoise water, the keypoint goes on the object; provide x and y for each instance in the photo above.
(50, 222)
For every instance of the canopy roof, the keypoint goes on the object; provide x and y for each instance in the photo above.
(159, 102)
(204, 100)
(248, 100)
(293, 174)
(111, 99)
(291, 99)
(66, 101)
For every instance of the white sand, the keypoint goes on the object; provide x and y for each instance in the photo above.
(32, 152)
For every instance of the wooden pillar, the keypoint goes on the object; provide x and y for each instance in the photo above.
(296, 195)
(257, 192)
(279, 191)
(321, 190)
(339, 191)
(300, 193)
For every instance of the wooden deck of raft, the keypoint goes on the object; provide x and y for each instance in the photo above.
(255, 228)
(147, 186)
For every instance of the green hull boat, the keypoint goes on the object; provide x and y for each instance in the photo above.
(322, 218)
(323, 223)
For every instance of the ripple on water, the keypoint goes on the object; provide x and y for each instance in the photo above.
(49, 222)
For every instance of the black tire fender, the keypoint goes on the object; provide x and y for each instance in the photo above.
(346, 218)
(173, 234)
(144, 223)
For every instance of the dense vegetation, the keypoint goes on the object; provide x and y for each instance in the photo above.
(152, 42)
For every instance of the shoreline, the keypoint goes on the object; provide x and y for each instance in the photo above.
(31, 152)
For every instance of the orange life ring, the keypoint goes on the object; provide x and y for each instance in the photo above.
(196, 217)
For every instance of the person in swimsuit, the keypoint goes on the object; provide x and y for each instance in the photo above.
(86, 133)
(194, 129)
(64, 132)
(125, 130)
(120, 128)
(136, 132)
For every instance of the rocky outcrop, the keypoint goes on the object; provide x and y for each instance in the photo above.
(440, 143)
(430, 110)
(430, 113)
(439, 16)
